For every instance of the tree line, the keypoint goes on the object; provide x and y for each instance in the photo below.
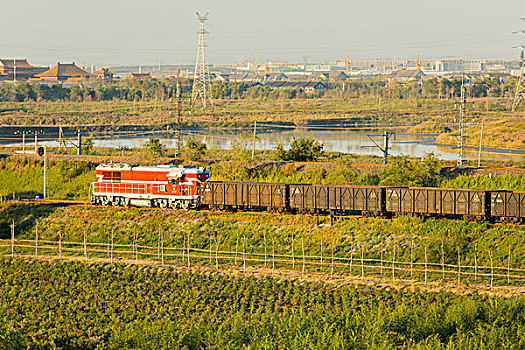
(165, 89)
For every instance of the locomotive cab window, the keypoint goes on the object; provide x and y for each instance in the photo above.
(173, 181)
(117, 176)
(106, 176)
(111, 176)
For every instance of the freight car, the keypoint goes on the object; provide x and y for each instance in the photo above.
(469, 204)
(508, 206)
(380, 201)
(366, 200)
(230, 195)
(189, 188)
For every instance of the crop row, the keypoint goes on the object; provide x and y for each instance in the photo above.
(86, 306)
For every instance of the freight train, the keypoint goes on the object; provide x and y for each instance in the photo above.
(190, 188)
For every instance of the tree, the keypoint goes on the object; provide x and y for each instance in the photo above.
(241, 145)
(155, 148)
(302, 149)
(403, 172)
(87, 145)
(194, 150)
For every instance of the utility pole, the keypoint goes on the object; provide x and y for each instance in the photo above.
(480, 143)
(178, 141)
(23, 133)
(45, 172)
(60, 139)
(79, 143)
(254, 137)
(386, 139)
(461, 124)
(201, 80)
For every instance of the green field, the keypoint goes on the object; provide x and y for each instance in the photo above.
(61, 305)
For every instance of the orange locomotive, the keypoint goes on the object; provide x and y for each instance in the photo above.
(163, 186)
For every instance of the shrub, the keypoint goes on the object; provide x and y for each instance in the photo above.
(194, 150)
(302, 149)
(154, 147)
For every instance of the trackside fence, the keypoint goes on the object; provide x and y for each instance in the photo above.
(357, 263)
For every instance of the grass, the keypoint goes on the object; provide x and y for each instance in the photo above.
(66, 179)
(475, 240)
(70, 179)
(504, 133)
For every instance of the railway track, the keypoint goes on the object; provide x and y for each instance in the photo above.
(318, 217)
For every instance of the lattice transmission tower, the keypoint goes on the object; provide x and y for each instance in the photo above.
(520, 87)
(461, 123)
(202, 80)
(178, 131)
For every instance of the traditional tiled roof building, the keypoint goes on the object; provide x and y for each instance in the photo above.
(404, 76)
(105, 73)
(63, 72)
(306, 85)
(140, 76)
(331, 75)
(18, 69)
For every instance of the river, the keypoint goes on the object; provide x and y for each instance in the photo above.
(346, 141)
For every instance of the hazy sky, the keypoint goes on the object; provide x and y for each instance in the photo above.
(118, 32)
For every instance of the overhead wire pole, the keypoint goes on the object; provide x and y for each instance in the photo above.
(201, 80)
(520, 86)
(386, 138)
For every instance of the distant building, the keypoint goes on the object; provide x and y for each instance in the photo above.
(62, 72)
(258, 77)
(331, 75)
(460, 65)
(104, 73)
(219, 76)
(306, 85)
(18, 69)
(404, 76)
(140, 76)
(377, 65)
